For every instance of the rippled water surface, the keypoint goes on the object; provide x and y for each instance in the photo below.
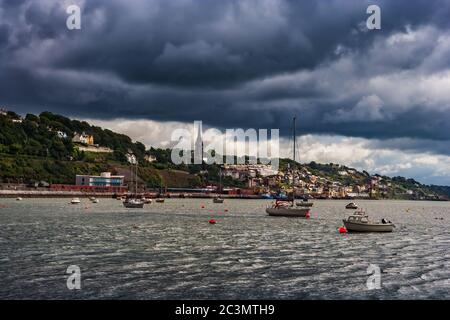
(170, 251)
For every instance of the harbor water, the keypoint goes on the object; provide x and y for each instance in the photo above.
(170, 251)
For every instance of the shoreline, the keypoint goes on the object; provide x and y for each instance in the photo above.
(72, 194)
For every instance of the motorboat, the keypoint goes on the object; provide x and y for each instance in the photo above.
(351, 205)
(159, 200)
(360, 222)
(283, 208)
(75, 201)
(19, 199)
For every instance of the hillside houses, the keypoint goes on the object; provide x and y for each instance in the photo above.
(83, 138)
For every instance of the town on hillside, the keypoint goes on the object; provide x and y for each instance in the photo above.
(49, 153)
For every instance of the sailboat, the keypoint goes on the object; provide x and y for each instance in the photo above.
(134, 202)
(283, 208)
(218, 198)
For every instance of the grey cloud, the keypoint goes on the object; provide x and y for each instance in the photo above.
(235, 64)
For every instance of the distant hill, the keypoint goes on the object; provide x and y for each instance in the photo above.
(40, 148)
(50, 135)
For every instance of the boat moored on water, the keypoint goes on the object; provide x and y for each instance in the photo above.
(159, 200)
(132, 200)
(19, 199)
(147, 200)
(283, 208)
(75, 201)
(360, 222)
(133, 203)
(305, 203)
(218, 199)
(93, 199)
(351, 205)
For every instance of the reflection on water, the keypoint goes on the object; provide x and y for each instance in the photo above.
(170, 251)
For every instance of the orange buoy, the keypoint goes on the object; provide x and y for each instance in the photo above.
(212, 221)
(342, 230)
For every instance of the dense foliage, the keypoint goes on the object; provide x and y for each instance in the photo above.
(38, 136)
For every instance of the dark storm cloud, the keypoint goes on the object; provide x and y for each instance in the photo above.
(235, 63)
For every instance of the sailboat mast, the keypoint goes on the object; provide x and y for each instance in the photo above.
(136, 188)
(293, 172)
(220, 181)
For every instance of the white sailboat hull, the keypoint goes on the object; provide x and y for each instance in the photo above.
(134, 204)
(287, 212)
(354, 226)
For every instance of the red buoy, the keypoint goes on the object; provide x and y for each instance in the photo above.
(342, 230)
(308, 215)
(203, 207)
(226, 210)
(212, 221)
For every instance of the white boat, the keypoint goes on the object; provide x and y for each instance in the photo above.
(75, 201)
(133, 203)
(147, 200)
(95, 200)
(284, 208)
(360, 222)
(19, 199)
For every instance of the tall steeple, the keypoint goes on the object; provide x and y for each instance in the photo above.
(198, 151)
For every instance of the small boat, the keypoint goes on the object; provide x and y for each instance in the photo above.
(75, 201)
(19, 199)
(360, 222)
(93, 199)
(159, 200)
(267, 196)
(133, 203)
(286, 209)
(305, 203)
(351, 205)
(147, 200)
(218, 200)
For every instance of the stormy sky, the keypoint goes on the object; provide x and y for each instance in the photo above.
(375, 99)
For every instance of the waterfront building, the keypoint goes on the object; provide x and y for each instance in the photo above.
(105, 179)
